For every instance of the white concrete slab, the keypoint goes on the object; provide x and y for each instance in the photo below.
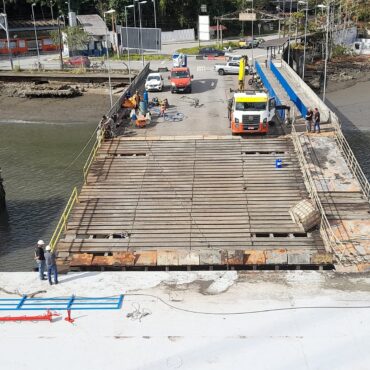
(270, 327)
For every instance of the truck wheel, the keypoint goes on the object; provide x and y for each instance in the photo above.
(221, 72)
(172, 91)
(189, 90)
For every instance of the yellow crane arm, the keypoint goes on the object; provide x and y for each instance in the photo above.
(241, 78)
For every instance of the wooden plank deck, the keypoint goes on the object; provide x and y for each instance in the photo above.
(222, 197)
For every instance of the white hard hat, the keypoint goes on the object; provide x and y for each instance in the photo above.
(40, 242)
(48, 248)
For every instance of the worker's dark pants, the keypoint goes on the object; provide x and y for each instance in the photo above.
(41, 268)
(53, 270)
(317, 127)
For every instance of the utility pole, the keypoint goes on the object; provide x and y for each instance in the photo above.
(37, 41)
(6, 29)
(60, 44)
(51, 9)
(155, 14)
(290, 21)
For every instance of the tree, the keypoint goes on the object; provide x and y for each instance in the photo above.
(76, 38)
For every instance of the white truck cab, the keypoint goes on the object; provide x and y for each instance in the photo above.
(251, 112)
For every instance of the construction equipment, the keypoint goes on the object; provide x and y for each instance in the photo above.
(250, 111)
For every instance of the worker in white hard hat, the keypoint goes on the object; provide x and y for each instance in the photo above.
(40, 258)
(51, 265)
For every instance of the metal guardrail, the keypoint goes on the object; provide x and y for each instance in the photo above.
(350, 158)
(92, 155)
(342, 142)
(61, 226)
(331, 242)
(61, 303)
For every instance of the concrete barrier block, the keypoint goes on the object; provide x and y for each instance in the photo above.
(146, 258)
(321, 259)
(188, 258)
(81, 259)
(235, 257)
(299, 258)
(252, 257)
(124, 258)
(167, 258)
(277, 257)
(210, 258)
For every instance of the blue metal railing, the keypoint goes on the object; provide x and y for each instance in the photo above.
(68, 303)
(266, 83)
(291, 93)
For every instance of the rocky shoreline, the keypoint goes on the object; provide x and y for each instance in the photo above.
(342, 72)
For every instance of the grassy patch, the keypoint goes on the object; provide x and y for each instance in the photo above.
(195, 50)
(138, 57)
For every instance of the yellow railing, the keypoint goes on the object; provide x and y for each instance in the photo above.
(92, 155)
(62, 224)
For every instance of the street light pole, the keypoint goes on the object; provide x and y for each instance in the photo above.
(326, 51)
(37, 41)
(51, 8)
(107, 54)
(135, 14)
(290, 21)
(305, 41)
(155, 14)
(128, 48)
(327, 7)
(6, 29)
(141, 32)
(252, 34)
(60, 44)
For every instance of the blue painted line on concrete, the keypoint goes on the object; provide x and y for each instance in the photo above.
(57, 303)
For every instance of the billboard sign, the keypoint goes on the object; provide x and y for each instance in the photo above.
(203, 31)
(247, 17)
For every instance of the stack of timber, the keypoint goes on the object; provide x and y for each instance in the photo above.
(190, 202)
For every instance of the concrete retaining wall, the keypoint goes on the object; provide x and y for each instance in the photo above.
(309, 93)
(136, 84)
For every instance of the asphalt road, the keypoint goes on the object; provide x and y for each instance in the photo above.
(210, 90)
(51, 61)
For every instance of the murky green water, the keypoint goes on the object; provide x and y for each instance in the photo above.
(38, 178)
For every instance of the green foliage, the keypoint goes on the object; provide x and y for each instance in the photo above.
(138, 57)
(339, 50)
(364, 14)
(195, 50)
(76, 38)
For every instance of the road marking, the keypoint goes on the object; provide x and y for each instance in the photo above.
(204, 69)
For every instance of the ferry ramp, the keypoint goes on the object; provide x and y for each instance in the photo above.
(187, 195)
